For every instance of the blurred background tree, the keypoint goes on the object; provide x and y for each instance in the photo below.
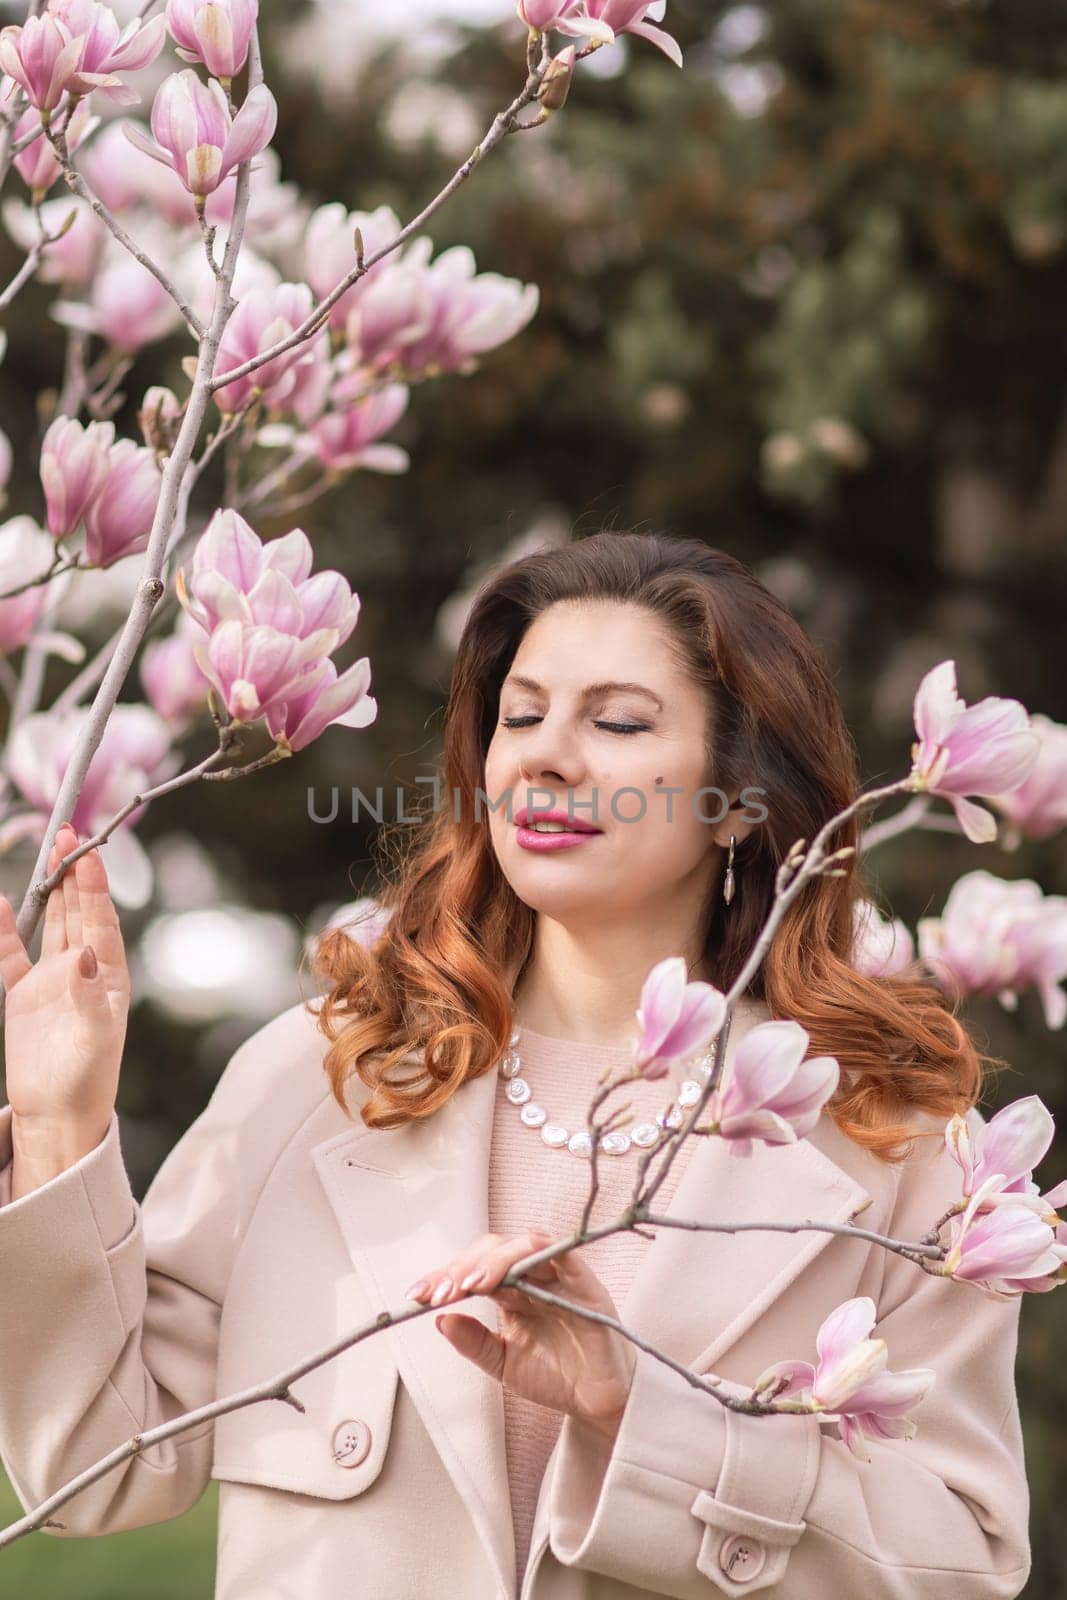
(802, 300)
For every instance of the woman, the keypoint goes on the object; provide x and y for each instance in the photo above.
(504, 1447)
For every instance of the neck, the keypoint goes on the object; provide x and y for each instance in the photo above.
(587, 990)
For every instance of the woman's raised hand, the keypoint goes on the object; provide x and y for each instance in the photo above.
(65, 1015)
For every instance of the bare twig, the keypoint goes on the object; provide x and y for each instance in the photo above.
(56, 570)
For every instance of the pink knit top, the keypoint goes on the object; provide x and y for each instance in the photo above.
(532, 1185)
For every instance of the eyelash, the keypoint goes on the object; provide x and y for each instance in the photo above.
(613, 727)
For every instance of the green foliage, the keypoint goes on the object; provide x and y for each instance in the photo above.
(169, 1561)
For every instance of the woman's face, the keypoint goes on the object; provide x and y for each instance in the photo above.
(559, 742)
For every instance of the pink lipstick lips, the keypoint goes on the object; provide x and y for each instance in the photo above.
(572, 833)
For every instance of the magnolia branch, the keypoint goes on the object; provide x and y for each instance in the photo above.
(27, 269)
(279, 1387)
(170, 505)
(229, 741)
(798, 867)
(502, 124)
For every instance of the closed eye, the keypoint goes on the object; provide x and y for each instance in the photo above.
(612, 727)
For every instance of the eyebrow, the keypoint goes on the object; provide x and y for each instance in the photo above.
(589, 693)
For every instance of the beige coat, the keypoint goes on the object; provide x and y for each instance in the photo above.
(277, 1223)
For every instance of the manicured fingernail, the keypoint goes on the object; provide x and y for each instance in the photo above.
(417, 1290)
(472, 1278)
(442, 1292)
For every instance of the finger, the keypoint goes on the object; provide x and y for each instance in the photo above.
(459, 1268)
(100, 923)
(475, 1341)
(54, 936)
(14, 962)
(507, 1254)
(66, 842)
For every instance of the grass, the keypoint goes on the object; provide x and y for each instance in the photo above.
(172, 1560)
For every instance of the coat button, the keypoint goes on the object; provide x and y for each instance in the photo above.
(351, 1442)
(741, 1559)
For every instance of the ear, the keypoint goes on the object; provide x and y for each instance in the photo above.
(742, 818)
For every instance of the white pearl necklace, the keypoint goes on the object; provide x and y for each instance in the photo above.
(641, 1136)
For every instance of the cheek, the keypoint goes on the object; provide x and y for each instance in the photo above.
(495, 776)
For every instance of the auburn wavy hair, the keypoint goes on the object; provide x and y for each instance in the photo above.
(436, 985)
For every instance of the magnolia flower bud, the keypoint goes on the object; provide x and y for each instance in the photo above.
(556, 83)
(160, 418)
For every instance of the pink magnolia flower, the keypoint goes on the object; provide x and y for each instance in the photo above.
(330, 252)
(134, 754)
(195, 135)
(772, 1093)
(997, 938)
(880, 948)
(263, 317)
(74, 466)
(72, 257)
(170, 674)
(215, 32)
(125, 178)
(26, 552)
(676, 1018)
(127, 306)
(984, 749)
(850, 1384)
(119, 520)
(1043, 1282)
(1001, 1249)
(604, 20)
(6, 463)
(1011, 1143)
(42, 56)
(235, 576)
(1038, 807)
(543, 15)
(37, 165)
(342, 700)
(347, 439)
(470, 313)
(255, 667)
(314, 380)
(271, 628)
(108, 49)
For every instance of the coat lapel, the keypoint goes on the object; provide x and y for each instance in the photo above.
(408, 1199)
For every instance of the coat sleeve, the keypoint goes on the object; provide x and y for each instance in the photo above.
(110, 1309)
(693, 1500)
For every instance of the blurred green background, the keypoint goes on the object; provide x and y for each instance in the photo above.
(805, 301)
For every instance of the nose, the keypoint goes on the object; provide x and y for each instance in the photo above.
(549, 760)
